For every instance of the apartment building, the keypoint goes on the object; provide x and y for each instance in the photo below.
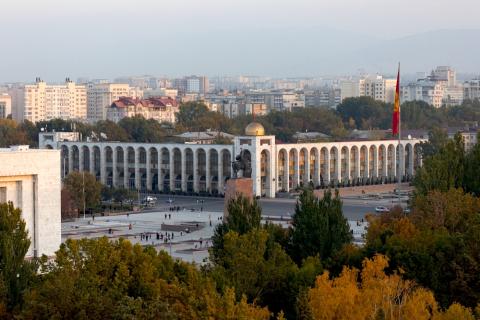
(100, 96)
(41, 101)
(5, 105)
(376, 87)
(162, 109)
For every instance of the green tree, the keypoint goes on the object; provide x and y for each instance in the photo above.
(11, 134)
(83, 188)
(111, 130)
(102, 279)
(437, 245)
(143, 130)
(443, 170)
(365, 112)
(258, 268)
(243, 215)
(472, 170)
(318, 227)
(16, 274)
(437, 140)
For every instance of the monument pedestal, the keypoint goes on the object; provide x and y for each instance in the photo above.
(235, 187)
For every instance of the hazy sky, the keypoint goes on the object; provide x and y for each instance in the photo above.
(107, 38)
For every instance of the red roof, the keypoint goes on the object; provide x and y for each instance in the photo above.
(150, 102)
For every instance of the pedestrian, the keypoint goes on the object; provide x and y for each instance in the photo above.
(158, 236)
(210, 223)
(170, 216)
(165, 216)
(172, 235)
(93, 217)
(128, 214)
(130, 226)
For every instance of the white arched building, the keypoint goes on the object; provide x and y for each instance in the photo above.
(204, 168)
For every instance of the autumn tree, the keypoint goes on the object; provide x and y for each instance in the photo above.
(376, 296)
(318, 226)
(436, 245)
(84, 189)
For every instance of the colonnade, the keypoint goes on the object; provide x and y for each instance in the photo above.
(193, 168)
(151, 167)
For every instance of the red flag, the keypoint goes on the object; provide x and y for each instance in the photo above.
(396, 106)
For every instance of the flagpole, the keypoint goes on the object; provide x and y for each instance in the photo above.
(399, 136)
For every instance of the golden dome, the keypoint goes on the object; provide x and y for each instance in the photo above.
(255, 129)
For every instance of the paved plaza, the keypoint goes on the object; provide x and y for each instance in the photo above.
(186, 233)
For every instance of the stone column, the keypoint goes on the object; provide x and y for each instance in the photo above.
(338, 169)
(220, 172)
(184, 170)
(286, 172)
(172, 170)
(306, 178)
(159, 170)
(357, 163)
(383, 170)
(326, 176)
(208, 174)
(103, 165)
(394, 163)
(195, 171)
(81, 159)
(126, 173)
(374, 174)
(114, 167)
(137, 169)
(148, 168)
(347, 167)
(411, 158)
(92, 161)
(401, 162)
(70, 159)
(366, 173)
(316, 170)
(296, 171)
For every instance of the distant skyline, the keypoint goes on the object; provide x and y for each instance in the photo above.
(105, 39)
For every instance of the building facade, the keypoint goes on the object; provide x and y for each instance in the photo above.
(100, 96)
(162, 109)
(175, 167)
(375, 87)
(41, 101)
(31, 180)
(5, 105)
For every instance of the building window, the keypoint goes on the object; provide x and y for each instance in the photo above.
(3, 194)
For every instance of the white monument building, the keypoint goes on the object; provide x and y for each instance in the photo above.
(31, 180)
(204, 168)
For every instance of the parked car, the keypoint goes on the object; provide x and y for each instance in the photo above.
(382, 209)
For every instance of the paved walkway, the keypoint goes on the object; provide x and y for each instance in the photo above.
(185, 234)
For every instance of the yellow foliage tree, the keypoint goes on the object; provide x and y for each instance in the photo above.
(372, 294)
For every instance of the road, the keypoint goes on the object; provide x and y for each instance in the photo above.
(353, 208)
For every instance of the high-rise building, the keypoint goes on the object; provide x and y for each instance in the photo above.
(445, 74)
(101, 95)
(192, 84)
(5, 105)
(40, 101)
(471, 89)
(375, 87)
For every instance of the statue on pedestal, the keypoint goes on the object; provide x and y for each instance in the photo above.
(242, 166)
